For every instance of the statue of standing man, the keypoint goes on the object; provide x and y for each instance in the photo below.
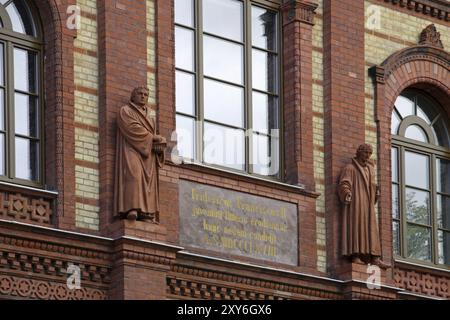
(358, 194)
(140, 153)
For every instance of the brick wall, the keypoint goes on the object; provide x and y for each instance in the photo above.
(87, 188)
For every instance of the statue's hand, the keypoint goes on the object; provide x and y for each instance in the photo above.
(348, 198)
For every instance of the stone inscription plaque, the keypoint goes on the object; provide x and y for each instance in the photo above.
(237, 223)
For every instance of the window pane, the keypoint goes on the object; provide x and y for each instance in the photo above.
(404, 106)
(264, 28)
(418, 206)
(265, 113)
(2, 67)
(444, 247)
(419, 243)
(441, 129)
(2, 154)
(224, 103)
(185, 96)
(416, 133)
(264, 74)
(20, 18)
(417, 170)
(224, 146)
(2, 110)
(26, 115)
(184, 48)
(394, 164)
(27, 159)
(422, 115)
(443, 175)
(395, 203)
(223, 60)
(265, 155)
(396, 237)
(223, 18)
(395, 122)
(443, 212)
(184, 12)
(185, 137)
(25, 70)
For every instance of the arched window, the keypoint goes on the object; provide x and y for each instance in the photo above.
(20, 94)
(420, 179)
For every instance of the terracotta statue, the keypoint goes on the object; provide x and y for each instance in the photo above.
(140, 153)
(359, 194)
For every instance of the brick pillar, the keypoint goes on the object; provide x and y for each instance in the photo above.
(344, 81)
(297, 64)
(122, 28)
(140, 270)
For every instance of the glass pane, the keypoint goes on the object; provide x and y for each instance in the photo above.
(224, 146)
(2, 154)
(441, 129)
(2, 110)
(422, 115)
(417, 170)
(396, 237)
(404, 106)
(265, 155)
(224, 103)
(223, 60)
(26, 115)
(184, 12)
(185, 137)
(25, 70)
(265, 113)
(223, 18)
(2, 68)
(264, 74)
(443, 212)
(394, 164)
(184, 48)
(20, 17)
(444, 247)
(395, 203)
(185, 96)
(395, 122)
(27, 159)
(416, 133)
(443, 175)
(264, 28)
(418, 206)
(419, 242)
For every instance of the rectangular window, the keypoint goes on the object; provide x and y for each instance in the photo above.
(227, 84)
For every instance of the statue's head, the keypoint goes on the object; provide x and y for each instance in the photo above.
(364, 153)
(140, 95)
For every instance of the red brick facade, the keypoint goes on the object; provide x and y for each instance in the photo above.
(39, 240)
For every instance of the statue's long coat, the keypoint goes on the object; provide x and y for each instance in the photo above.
(359, 223)
(136, 177)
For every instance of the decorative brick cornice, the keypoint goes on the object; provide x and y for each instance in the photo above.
(235, 281)
(439, 9)
(299, 10)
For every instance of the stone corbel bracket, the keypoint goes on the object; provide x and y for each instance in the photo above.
(297, 10)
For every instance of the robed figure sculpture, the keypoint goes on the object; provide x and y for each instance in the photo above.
(140, 153)
(358, 194)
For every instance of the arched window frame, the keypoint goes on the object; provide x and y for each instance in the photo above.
(34, 43)
(433, 151)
